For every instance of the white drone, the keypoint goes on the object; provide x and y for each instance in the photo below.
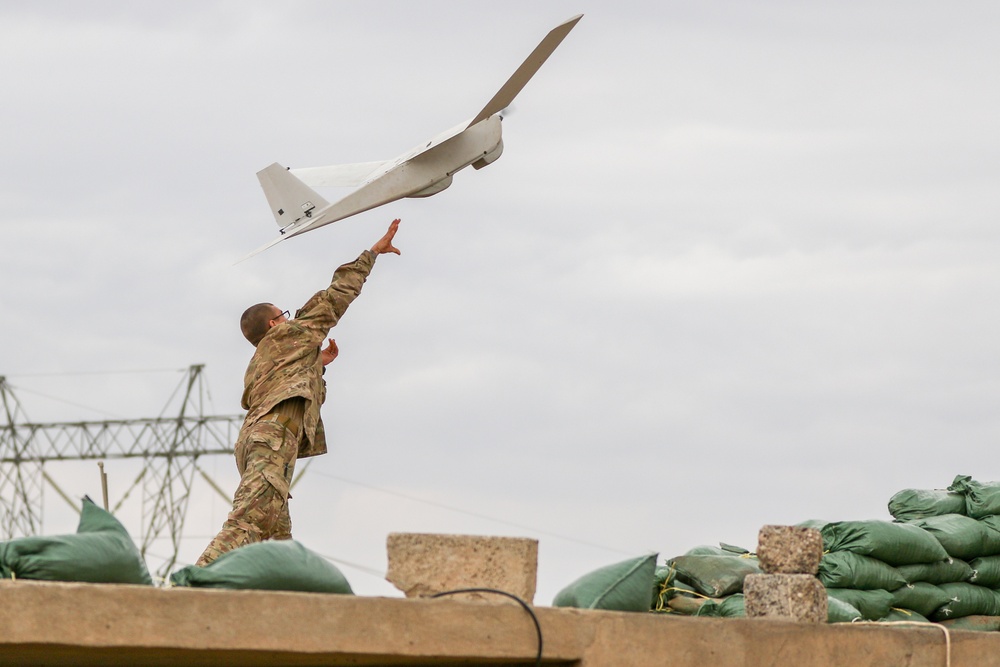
(421, 172)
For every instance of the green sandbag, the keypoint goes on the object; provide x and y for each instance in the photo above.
(961, 536)
(981, 498)
(100, 552)
(714, 576)
(946, 571)
(985, 572)
(992, 522)
(705, 550)
(624, 586)
(681, 588)
(920, 597)
(732, 606)
(666, 588)
(975, 623)
(872, 605)
(967, 600)
(274, 565)
(900, 615)
(722, 550)
(684, 605)
(893, 543)
(911, 504)
(838, 611)
(664, 575)
(663, 587)
(846, 569)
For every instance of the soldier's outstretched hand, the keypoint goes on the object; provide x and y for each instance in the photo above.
(384, 244)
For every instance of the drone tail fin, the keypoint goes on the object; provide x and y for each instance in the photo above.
(290, 199)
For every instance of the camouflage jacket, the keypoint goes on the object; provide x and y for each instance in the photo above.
(287, 362)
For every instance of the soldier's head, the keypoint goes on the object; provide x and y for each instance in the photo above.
(258, 319)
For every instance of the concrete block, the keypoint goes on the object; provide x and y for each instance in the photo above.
(786, 597)
(423, 564)
(789, 550)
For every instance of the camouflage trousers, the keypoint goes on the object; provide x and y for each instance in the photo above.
(265, 458)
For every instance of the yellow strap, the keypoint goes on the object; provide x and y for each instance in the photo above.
(687, 592)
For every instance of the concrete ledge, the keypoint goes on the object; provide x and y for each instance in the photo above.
(86, 624)
(82, 624)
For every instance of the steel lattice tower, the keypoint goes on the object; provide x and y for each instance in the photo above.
(168, 446)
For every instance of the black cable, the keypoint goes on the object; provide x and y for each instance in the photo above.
(527, 608)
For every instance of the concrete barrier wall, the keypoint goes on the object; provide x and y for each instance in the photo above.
(82, 624)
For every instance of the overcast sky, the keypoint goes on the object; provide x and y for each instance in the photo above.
(736, 266)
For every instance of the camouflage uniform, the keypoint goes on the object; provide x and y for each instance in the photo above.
(284, 389)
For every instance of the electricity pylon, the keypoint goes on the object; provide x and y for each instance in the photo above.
(168, 446)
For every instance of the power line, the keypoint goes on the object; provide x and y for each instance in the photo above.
(362, 568)
(22, 390)
(77, 373)
(475, 514)
(100, 411)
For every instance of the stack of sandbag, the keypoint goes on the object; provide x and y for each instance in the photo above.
(965, 520)
(704, 575)
(864, 563)
(715, 572)
(708, 581)
(938, 561)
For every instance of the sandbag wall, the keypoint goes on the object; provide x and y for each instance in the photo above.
(938, 561)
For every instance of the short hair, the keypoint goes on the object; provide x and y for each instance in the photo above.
(253, 324)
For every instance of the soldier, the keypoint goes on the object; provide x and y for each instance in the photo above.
(283, 391)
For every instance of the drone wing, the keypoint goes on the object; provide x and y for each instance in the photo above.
(338, 175)
(523, 74)
(261, 249)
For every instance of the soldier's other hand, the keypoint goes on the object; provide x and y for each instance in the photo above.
(384, 244)
(330, 353)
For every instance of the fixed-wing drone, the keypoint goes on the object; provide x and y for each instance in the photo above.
(420, 172)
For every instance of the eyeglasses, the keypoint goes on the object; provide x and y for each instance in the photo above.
(284, 314)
